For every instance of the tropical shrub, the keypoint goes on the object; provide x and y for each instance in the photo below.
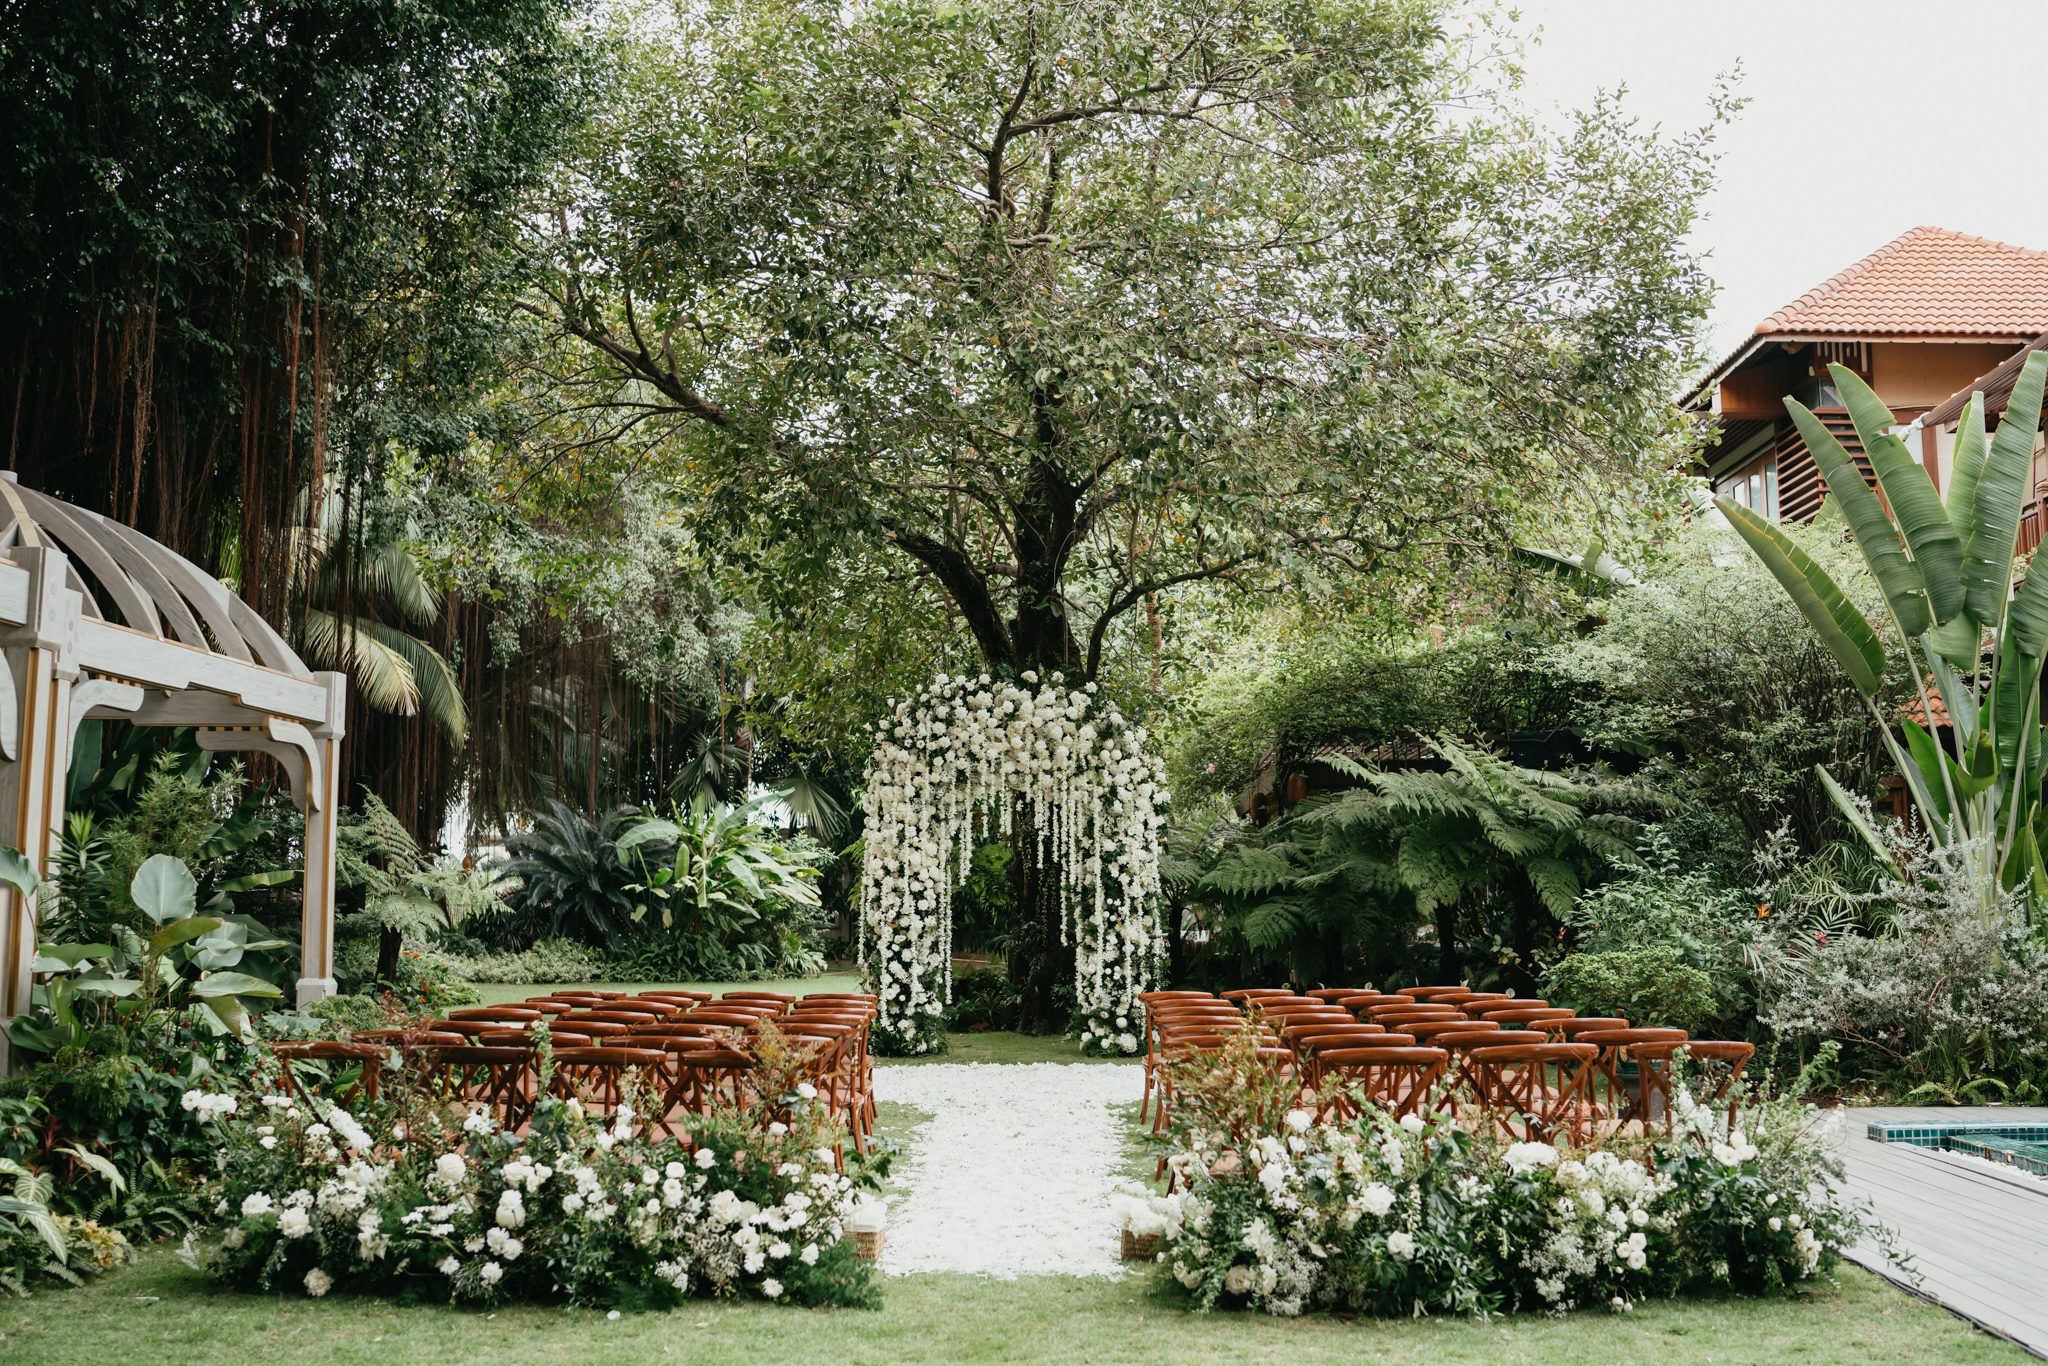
(1944, 564)
(1646, 985)
(401, 1199)
(1349, 686)
(1936, 1002)
(39, 1243)
(1275, 1211)
(425, 980)
(984, 999)
(390, 890)
(733, 899)
(571, 882)
(1488, 855)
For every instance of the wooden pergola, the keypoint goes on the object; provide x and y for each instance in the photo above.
(98, 622)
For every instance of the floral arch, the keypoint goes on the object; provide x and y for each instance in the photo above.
(959, 761)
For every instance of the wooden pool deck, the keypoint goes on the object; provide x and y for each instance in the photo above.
(1978, 1239)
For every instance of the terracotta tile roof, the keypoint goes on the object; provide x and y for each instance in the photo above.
(1931, 282)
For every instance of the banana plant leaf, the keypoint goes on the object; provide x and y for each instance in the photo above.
(182, 932)
(1897, 576)
(1858, 821)
(1967, 463)
(1840, 626)
(2016, 709)
(1936, 545)
(2001, 493)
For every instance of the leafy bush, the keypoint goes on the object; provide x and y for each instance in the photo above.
(425, 980)
(389, 887)
(1708, 667)
(1486, 854)
(38, 1243)
(984, 999)
(595, 1212)
(549, 961)
(1349, 685)
(1277, 1212)
(1648, 986)
(1941, 1001)
(572, 882)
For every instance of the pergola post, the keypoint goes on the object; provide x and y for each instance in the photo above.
(40, 654)
(321, 808)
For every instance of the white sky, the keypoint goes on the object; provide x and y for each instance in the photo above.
(1865, 117)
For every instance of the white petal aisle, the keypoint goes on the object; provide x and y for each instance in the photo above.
(1015, 1173)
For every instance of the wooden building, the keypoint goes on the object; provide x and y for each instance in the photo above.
(1923, 319)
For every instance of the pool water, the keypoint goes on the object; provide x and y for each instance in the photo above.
(2021, 1146)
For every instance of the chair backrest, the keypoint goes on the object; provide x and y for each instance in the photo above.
(408, 1038)
(1474, 1036)
(1628, 1038)
(1570, 1030)
(776, 997)
(1250, 993)
(519, 1012)
(725, 1015)
(1513, 1015)
(1424, 993)
(1400, 1015)
(1335, 995)
(673, 994)
(585, 1024)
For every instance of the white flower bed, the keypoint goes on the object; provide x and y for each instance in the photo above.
(962, 759)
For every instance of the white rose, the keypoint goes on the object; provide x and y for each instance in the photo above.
(318, 1282)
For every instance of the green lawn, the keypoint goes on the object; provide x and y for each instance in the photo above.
(158, 1311)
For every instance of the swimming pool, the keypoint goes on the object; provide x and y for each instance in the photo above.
(2022, 1146)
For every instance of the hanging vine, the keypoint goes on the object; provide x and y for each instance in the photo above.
(969, 757)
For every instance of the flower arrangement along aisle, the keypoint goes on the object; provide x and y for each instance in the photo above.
(968, 757)
(1276, 1211)
(405, 1199)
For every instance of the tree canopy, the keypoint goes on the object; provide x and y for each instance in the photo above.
(1040, 314)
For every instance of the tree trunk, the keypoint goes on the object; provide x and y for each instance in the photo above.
(1449, 970)
(1039, 962)
(389, 942)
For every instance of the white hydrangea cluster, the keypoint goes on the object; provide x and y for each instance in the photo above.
(968, 757)
(1606, 1208)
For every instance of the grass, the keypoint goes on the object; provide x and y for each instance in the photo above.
(158, 1310)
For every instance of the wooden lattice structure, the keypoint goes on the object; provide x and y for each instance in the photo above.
(98, 622)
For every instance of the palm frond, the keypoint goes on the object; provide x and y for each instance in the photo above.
(381, 674)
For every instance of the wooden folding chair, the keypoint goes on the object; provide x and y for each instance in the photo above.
(1395, 1078)
(1533, 1092)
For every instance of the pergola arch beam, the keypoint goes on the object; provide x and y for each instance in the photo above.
(185, 652)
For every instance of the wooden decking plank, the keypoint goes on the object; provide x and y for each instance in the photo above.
(1974, 1240)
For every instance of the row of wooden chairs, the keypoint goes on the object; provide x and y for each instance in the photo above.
(683, 1052)
(1525, 1068)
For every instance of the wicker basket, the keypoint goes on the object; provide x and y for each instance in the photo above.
(868, 1245)
(1140, 1247)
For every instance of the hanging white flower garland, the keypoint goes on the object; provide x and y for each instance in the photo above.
(957, 762)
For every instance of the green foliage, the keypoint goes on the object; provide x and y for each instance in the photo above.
(1716, 679)
(1644, 986)
(187, 965)
(572, 882)
(549, 961)
(38, 1243)
(1949, 596)
(1348, 686)
(1486, 854)
(984, 999)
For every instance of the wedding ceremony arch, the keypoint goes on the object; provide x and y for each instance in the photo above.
(966, 759)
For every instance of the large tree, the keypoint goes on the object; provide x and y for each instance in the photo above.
(1065, 307)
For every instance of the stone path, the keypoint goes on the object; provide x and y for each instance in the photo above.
(1978, 1238)
(1014, 1173)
